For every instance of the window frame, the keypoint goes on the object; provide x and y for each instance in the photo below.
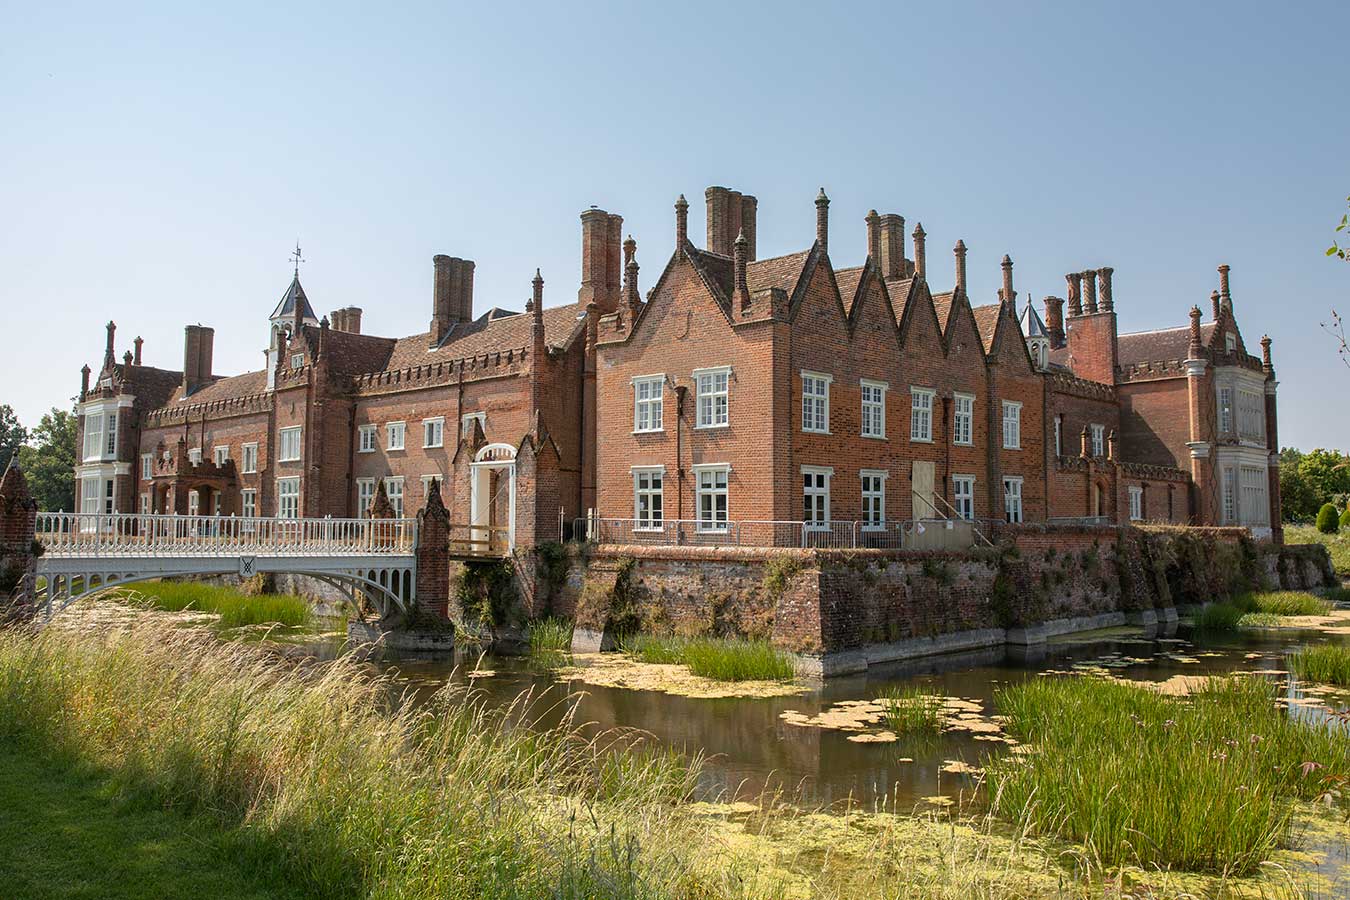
(655, 514)
(969, 417)
(248, 503)
(1097, 435)
(438, 423)
(1135, 493)
(1014, 406)
(147, 466)
(361, 485)
(653, 406)
(220, 454)
(820, 402)
(702, 525)
(93, 436)
(284, 436)
(195, 455)
(959, 498)
(297, 360)
(919, 414)
(878, 496)
(712, 396)
(1009, 481)
(811, 521)
(466, 418)
(367, 438)
(283, 495)
(392, 428)
(248, 458)
(877, 407)
(397, 499)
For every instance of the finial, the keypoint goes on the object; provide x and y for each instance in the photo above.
(1196, 345)
(538, 283)
(1265, 354)
(296, 258)
(323, 323)
(681, 222)
(1215, 303)
(960, 252)
(629, 248)
(920, 257)
(126, 358)
(1008, 293)
(823, 221)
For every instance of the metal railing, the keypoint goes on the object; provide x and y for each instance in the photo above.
(129, 534)
(837, 535)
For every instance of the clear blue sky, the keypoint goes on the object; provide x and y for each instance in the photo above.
(158, 163)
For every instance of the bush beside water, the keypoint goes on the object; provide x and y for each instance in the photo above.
(234, 608)
(721, 659)
(1203, 783)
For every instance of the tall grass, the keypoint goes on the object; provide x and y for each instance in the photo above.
(332, 787)
(1290, 603)
(235, 609)
(1326, 663)
(550, 641)
(1338, 545)
(1218, 617)
(912, 710)
(1203, 783)
(721, 659)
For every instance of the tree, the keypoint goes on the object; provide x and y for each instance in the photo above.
(1336, 327)
(1328, 522)
(1298, 502)
(12, 435)
(1326, 474)
(49, 461)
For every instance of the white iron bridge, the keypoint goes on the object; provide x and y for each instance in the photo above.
(83, 554)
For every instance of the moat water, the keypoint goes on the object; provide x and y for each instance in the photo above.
(754, 746)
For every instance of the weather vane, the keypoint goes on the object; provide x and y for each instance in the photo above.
(297, 258)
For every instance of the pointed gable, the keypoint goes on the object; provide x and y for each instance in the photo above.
(919, 326)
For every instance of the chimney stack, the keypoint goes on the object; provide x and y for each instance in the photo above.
(1223, 286)
(1215, 304)
(740, 256)
(1009, 295)
(198, 341)
(1090, 290)
(823, 222)
(601, 238)
(452, 294)
(873, 235)
(960, 251)
(1075, 289)
(1266, 365)
(1054, 321)
(1104, 277)
(84, 381)
(892, 260)
(109, 357)
(920, 265)
(136, 358)
(681, 222)
(347, 319)
(730, 214)
(631, 295)
(1196, 345)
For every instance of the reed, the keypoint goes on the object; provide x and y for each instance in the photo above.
(1218, 617)
(721, 659)
(1325, 663)
(235, 609)
(912, 710)
(1204, 783)
(551, 640)
(1290, 603)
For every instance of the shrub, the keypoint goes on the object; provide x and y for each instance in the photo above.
(912, 710)
(1203, 783)
(1327, 663)
(1328, 521)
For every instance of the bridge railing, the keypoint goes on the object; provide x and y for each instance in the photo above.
(129, 534)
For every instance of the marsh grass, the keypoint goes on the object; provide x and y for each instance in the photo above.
(234, 608)
(1325, 663)
(1289, 603)
(912, 710)
(329, 782)
(721, 659)
(1204, 783)
(550, 642)
(1218, 617)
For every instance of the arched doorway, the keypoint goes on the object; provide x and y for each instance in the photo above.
(492, 492)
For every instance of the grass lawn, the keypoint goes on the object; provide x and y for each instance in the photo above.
(1337, 544)
(71, 834)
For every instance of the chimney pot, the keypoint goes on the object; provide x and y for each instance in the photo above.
(1090, 290)
(136, 357)
(84, 381)
(1009, 295)
(1223, 283)
(873, 235)
(1054, 321)
(1104, 277)
(1216, 304)
(1266, 365)
(1075, 291)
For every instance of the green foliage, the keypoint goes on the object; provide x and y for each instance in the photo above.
(49, 461)
(1338, 545)
(1218, 617)
(912, 710)
(12, 435)
(778, 573)
(487, 592)
(1290, 603)
(1325, 663)
(552, 566)
(1328, 522)
(721, 659)
(234, 608)
(1336, 249)
(1203, 783)
(1345, 517)
(550, 639)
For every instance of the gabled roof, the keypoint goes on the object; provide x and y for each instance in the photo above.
(942, 303)
(783, 272)
(1032, 326)
(487, 335)
(1160, 345)
(286, 307)
(152, 386)
(899, 290)
(848, 281)
(352, 354)
(231, 387)
(986, 319)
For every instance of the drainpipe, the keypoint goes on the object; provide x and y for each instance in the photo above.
(680, 392)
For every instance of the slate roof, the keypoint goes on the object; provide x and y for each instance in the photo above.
(294, 294)
(1031, 323)
(1159, 346)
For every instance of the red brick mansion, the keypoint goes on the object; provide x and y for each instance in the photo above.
(737, 389)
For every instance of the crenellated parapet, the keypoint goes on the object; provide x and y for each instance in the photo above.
(216, 409)
(494, 364)
(1153, 473)
(1152, 371)
(1064, 383)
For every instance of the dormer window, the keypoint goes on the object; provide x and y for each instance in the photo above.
(1230, 342)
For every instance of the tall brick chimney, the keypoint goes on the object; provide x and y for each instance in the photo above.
(1074, 280)
(920, 263)
(873, 222)
(960, 253)
(198, 346)
(892, 261)
(1054, 321)
(136, 358)
(1092, 329)
(1007, 294)
(347, 319)
(1090, 290)
(730, 214)
(452, 294)
(601, 266)
(823, 221)
(681, 222)
(1104, 279)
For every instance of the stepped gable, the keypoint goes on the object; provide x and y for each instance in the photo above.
(487, 334)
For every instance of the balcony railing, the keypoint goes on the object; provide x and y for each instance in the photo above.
(127, 534)
(836, 535)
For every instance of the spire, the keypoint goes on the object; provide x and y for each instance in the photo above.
(823, 221)
(920, 265)
(681, 222)
(297, 258)
(960, 251)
